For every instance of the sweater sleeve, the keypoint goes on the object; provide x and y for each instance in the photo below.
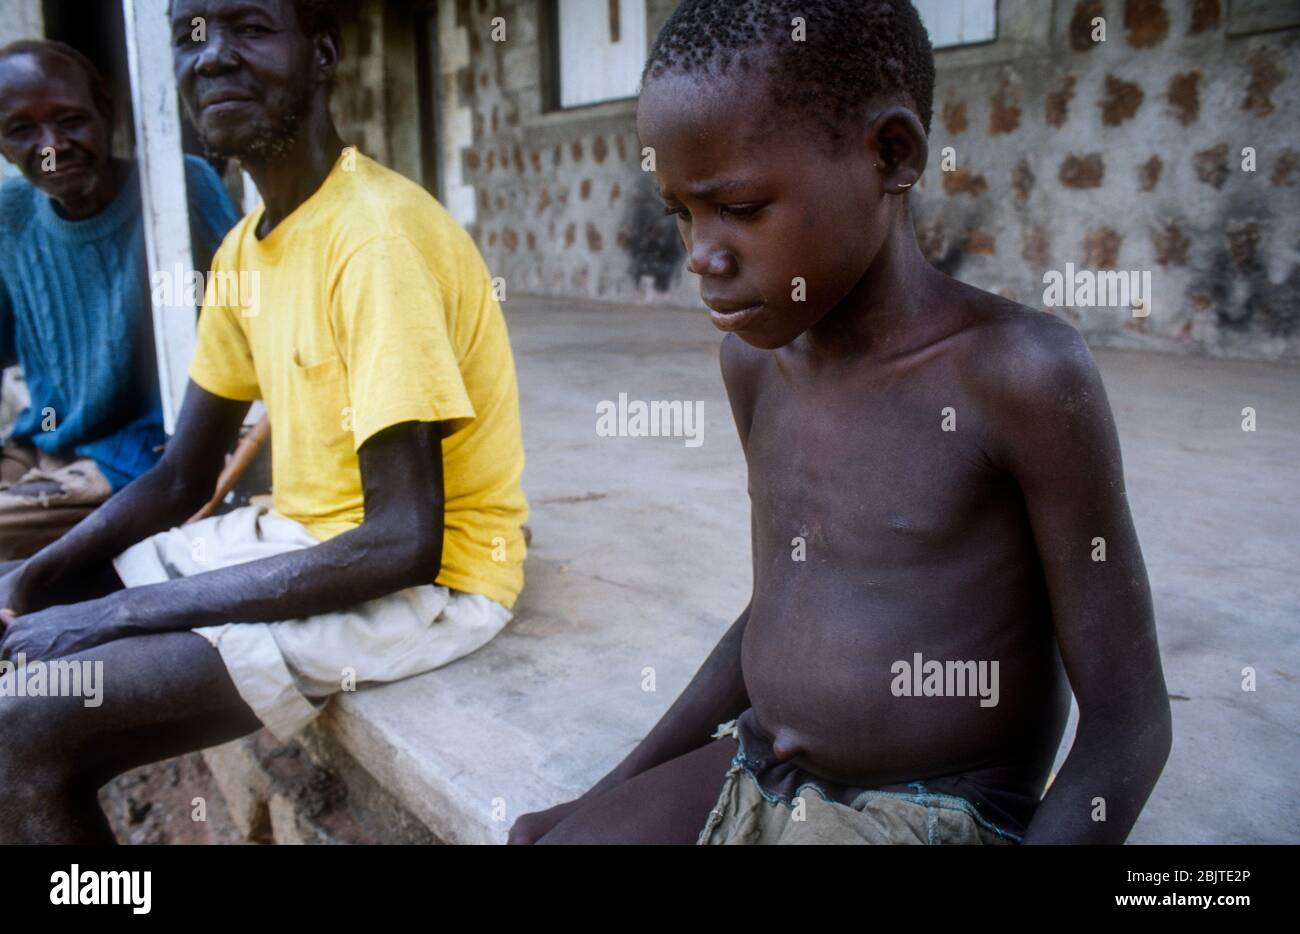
(8, 352)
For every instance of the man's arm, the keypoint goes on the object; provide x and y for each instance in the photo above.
(1055, 433)
(398, 545)
(163, 497)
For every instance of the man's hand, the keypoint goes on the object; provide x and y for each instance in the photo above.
(161, 498)
(15, 594)
(61, 630)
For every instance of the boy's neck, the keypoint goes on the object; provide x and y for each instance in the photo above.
(890, 310)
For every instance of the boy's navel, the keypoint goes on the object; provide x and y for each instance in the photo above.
(786, 745)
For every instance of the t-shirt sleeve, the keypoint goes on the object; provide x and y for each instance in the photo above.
(390, 322)
(212, 213)
(223, 360)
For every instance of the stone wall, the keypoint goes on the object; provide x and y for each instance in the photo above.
(1118, 154)
(376, 96)
(1128, 154)
(561, 206)
(20, 19)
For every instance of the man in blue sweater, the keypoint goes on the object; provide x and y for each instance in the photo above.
(75, 296)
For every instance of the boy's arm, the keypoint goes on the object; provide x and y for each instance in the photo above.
(717, 692)
(1054, 431)
(398, 545)
(715, 695)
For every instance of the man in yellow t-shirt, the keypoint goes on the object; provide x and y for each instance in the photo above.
(363, 316)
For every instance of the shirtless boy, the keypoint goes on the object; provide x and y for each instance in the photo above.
(947, 457)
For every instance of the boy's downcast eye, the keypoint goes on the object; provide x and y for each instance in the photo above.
(738, 211)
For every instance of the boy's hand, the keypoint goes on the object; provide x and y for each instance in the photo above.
(60, 630)
(530, 828)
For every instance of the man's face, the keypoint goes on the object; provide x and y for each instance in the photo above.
(50, 127)
(781, 211)
(245, 72)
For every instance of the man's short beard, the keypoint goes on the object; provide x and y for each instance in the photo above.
(269, 142)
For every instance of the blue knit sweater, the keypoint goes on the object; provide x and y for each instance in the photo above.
(75, 312)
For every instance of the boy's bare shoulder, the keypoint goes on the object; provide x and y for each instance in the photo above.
(1039, 392)
(1021, 356)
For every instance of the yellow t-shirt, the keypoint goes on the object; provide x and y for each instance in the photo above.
(366, 307)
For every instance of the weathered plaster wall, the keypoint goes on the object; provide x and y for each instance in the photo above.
(376, 95)
(20, 19)
(1127, 154)
(561, 206)
(1123, 154)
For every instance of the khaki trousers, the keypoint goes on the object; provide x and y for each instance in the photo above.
(42, 496)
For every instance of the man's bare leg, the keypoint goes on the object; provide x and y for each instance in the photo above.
(667, 804)
(163, 695)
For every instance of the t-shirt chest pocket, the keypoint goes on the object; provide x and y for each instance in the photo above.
(319, 400)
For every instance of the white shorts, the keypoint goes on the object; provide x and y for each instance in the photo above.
(285, 671)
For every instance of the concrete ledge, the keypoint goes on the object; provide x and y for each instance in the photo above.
(531, 719)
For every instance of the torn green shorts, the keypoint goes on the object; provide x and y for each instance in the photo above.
(747, 813)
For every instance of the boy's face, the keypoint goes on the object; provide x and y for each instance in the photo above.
(50, 127)
(246, 78)
(762, 207)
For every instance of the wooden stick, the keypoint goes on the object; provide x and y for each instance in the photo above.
(235, 468)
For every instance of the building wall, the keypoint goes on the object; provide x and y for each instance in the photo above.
(1128, 154)
(1123, 154)
(19, 19)
(376, 96)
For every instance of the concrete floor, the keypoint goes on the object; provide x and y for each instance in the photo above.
(640, 561)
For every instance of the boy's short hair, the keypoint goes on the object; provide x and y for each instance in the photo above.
(851, 50)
